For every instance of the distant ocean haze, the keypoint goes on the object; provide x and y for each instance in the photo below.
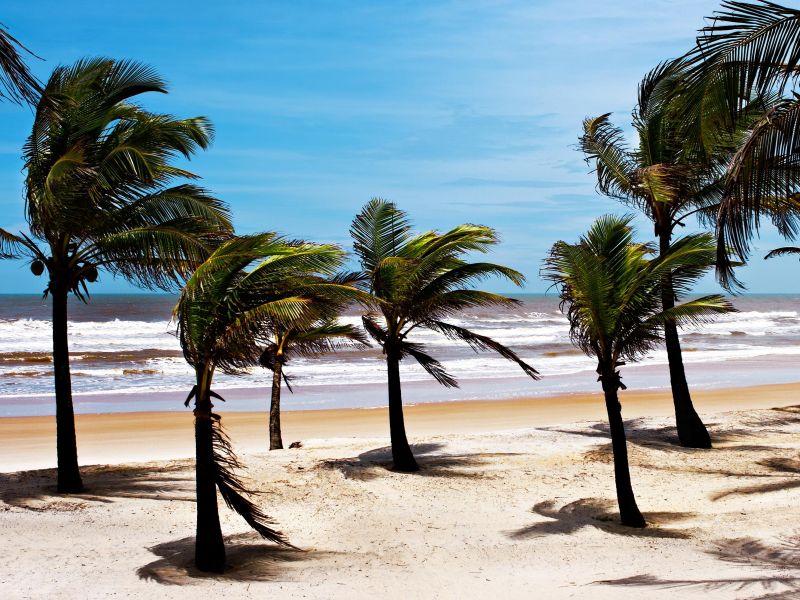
(125, 357)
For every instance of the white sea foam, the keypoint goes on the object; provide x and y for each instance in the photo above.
(121, 355)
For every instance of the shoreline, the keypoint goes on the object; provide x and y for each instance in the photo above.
(122, 437)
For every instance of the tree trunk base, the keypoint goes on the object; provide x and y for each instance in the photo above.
(210, 564)
(273, 445)
(70, 487)
(692, 433)
(404, 461)
(635, 520)
(406, 467)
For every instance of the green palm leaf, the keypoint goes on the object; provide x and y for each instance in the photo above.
(17, 83)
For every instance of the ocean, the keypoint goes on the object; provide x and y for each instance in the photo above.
(125, 357)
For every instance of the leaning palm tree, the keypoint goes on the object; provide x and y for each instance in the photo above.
(669, 177)
(610, 291)
(418, 281)
(225, 316)
(101, 194)
(17, 83)
(307, 340)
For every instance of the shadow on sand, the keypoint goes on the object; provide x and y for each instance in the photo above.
(783, 472)
(725, 436)
(36, 490)
(783, 556)
(638, 433)
(599, 513)
(247, 560)
(432, 461)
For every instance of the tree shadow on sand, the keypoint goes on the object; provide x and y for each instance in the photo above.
(784, 473)
(783, 556)
(430, 458)
(247, 560)
(598, 513)
(36, 490)
(665, 438)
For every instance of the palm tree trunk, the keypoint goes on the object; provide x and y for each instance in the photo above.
(692, 433)
(69, 476)
(209, 546)
(402, 456)
(275, 439)
(628, 510)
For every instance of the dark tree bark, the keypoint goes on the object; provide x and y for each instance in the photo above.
(69, 477)
(209, 553)
(628, 510)
(275, 439)
(402, 456)
(692, 433)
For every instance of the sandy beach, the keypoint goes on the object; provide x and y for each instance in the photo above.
(514, 497)
(116, 438)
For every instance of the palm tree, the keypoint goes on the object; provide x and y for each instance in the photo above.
(418, 281)
(750, 49)
(611, 294)
(225, 315)
(669, 177)
(306, 340)
(17, 83)
(100, 195)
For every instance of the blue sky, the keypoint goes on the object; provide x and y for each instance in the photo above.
(459, 111)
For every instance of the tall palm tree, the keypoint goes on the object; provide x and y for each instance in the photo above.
(225, 316)
(669, 177)
(17, 83)
(302, 339)
(610, 291)
(750, 48)
(100, 194)
(418, 282)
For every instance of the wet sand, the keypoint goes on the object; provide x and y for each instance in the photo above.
(115, 438)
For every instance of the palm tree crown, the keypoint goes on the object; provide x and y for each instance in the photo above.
(249, 287)
(422, 279)
(610, 289)
(98, 190)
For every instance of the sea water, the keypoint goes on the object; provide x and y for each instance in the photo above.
(125, 357)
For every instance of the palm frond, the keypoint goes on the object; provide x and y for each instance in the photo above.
(785, 251)
(323, 337)
(764, 169)
(234, 491)
(380, 230)
(604, 145)
(11, 246)
(480, 343)
(17, 83)
(755, 44)
(692, 313)
(432, 366)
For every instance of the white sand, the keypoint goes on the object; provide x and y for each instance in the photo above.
(515, 514)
